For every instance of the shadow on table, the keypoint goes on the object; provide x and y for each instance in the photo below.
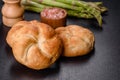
(21, 72)
(79, 59)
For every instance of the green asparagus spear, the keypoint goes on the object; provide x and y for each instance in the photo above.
(98, 5)
(59, 4)
(36, 7)
(90, 9)
(31, 3)
(33, 8)
(79, 15)
(76, 8)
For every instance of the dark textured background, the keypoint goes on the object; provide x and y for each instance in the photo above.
(103, 63)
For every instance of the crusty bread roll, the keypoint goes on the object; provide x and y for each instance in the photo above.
(77, 40)
(34, 44)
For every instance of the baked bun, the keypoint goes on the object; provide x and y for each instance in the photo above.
(34, 44)
(77, 40)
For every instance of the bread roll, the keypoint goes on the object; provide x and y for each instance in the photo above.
(34, 44)
(77, 40)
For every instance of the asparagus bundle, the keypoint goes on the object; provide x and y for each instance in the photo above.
(76, 8)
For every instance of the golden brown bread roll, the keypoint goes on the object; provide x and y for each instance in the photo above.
(34, 44)
(77, 40)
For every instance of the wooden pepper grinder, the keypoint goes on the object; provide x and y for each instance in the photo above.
(12, 12)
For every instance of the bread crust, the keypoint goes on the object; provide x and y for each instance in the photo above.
(77, 41)
(34, 44)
